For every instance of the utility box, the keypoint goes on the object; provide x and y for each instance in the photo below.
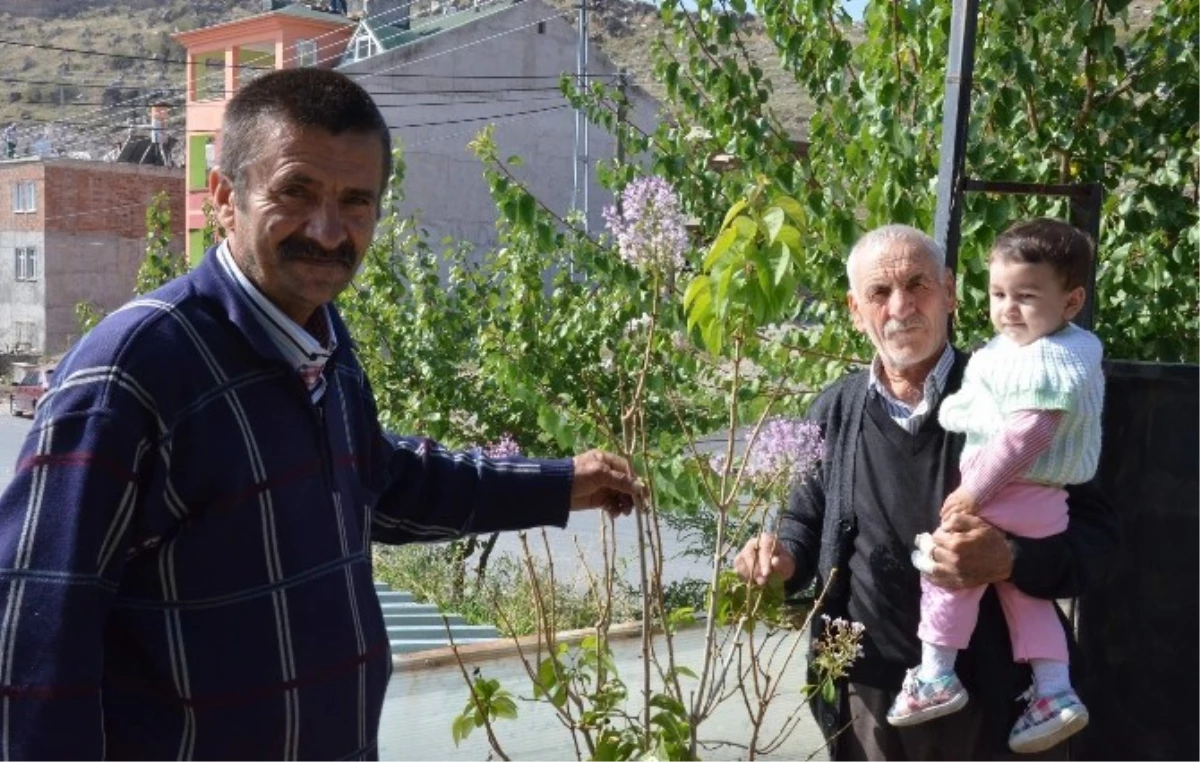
(1139, 634)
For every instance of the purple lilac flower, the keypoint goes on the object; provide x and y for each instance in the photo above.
(786, 448)
(650, 230)
(507, 447)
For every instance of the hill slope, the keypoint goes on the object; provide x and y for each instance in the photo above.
(85, 101)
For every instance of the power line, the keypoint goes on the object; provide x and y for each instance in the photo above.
(294, 57)
(390, 72)
(121, 56)
(448, 93)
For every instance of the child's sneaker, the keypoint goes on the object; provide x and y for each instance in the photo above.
(920, 700)
(1048, 721)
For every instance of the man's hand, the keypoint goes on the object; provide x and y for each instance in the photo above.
(603, 480)
(763, 557)
(960, 501)
(968, 552)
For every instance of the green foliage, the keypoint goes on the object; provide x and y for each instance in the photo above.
(488, 702)
(1063, 93)
(161, 264)
(1057, 99)
(504, 597)
(87, 315)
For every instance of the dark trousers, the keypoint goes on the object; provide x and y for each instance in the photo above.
(957, 736)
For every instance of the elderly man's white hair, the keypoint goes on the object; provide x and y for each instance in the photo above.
(890, 235)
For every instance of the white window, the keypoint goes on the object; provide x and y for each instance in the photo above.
(363, 47)
(306, 52)
(26, 263)
(24, 194)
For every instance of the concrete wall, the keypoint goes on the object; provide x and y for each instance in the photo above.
(444, 180)
(22, 323)
(22, 319)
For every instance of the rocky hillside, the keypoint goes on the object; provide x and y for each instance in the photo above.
(77, 71)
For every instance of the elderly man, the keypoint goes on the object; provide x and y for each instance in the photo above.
(185, 560)
(887, 467)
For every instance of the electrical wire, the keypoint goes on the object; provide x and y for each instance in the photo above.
(144, 97)
(390, 72)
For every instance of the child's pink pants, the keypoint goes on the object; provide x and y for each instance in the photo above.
(948, 616)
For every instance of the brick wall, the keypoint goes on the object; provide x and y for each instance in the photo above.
(20, 172)
(92, 197)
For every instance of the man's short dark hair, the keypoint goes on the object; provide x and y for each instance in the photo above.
(304, 97)
(1065, 248)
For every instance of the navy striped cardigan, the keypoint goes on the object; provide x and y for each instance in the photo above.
(185, 567)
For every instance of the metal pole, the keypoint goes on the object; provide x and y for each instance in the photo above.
(579, 195)
(1086, 205)
(960, 70)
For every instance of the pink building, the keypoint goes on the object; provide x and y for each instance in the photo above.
(222, 57)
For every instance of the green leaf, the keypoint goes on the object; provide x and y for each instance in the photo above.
(504, 708)
(720, 246)
(733, 212)
(828, 692)
(783, 262)
(526, 208)
(773, 220)
(461, 728)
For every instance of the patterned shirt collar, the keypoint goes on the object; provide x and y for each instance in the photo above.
(907, 416)
(306, 349)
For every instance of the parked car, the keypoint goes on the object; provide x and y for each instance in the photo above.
(29, 390)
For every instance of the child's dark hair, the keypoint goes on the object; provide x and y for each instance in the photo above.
(1065, 248)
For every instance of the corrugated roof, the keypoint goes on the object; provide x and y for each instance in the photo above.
(304, 12)
(391, 37)
(414, 627)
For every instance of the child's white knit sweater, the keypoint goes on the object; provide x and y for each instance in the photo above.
(1057, 372)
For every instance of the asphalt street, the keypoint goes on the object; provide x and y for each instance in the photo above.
(12, 434)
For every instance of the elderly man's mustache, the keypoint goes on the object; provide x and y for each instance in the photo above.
(892, 327)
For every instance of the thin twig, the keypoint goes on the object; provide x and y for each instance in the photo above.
(487, 723)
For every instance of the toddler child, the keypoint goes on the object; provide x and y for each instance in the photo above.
(1030, 408)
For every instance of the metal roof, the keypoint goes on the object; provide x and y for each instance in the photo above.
(413, 626)
(391, 37)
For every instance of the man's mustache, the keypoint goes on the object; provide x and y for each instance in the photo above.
(299, 247)
(893, 327)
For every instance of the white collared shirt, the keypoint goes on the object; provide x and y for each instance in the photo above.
(298, 346)
(906, 416)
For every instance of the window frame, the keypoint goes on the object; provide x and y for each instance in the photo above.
(306, 52)
(25, 264)
(361, 41)
(24, 196)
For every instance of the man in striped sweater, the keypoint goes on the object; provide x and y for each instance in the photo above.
(185, 566)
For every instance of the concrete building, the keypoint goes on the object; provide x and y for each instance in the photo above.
(439, 77)
(72, 231)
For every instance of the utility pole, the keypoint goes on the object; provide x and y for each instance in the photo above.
(622, 118)
(956, 115)
(579, 196)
